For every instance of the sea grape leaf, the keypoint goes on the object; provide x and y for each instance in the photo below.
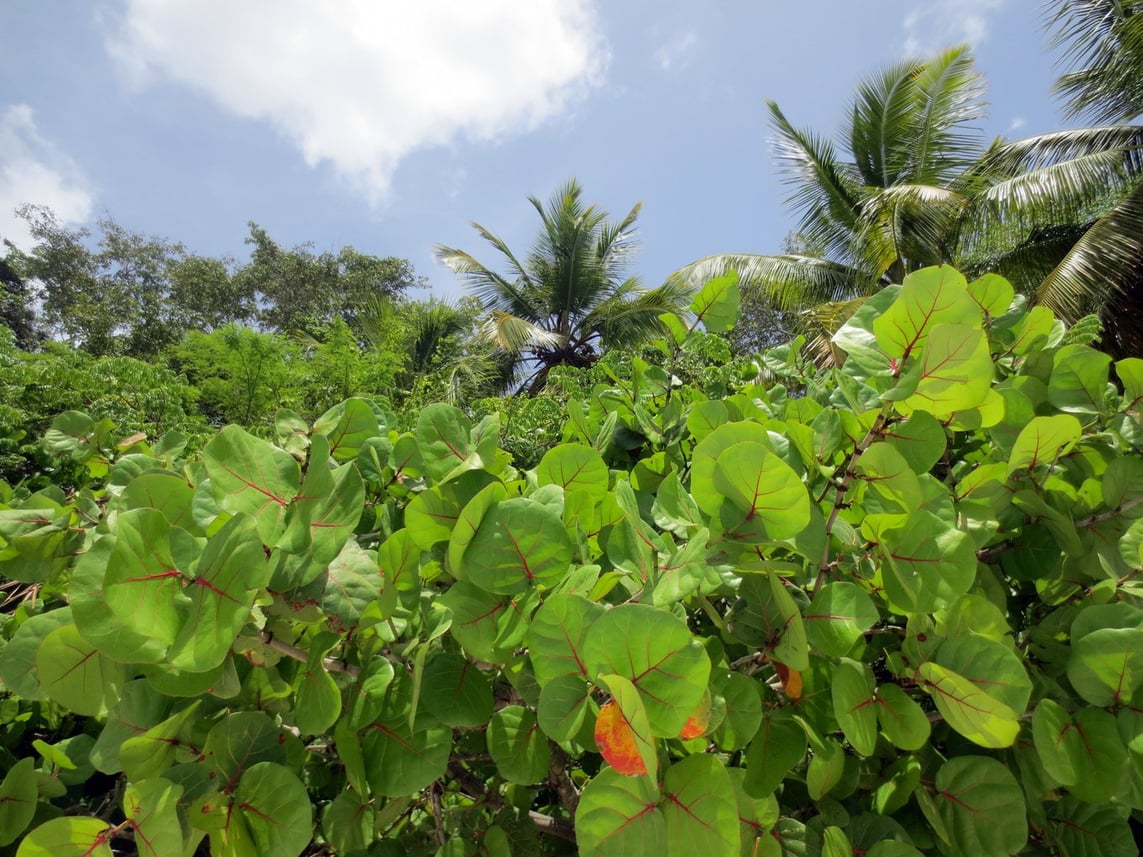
(18, 795)
(622, 733)
(657, 653)
(838, 616)
(764, 490)
(152, 807)
(317, 703)
(929, 565)
(1078, 384)
(618, 816)
(954, 373)
(467, 525)
(517, 746)
(488, 626)
(902, 719)
(565, 702)
(981, 806)
(151, 752)
(241, 740)
(574, 467)
(141, 586)
(347, 822)
(444, 439)
(778, 745)
(275, 808)
(674, 509)
(742, 704)
(1106, 665)
(139, 708)
(248, 475)
(971, 711)
(700, 808)
(1084, 830)
(888, 473)
(75, 674)
(992, 293)
(399, 761)
(18, 668)
(716, 304)
(705, 458)
(928, 297)
(557, 634)
(827, 764)
(991, 666)
(1043, 440)
(519, 543)
(854, 706)
(71, 836)
(698, 723)
(347, 426)
(456, 692)
(768, 617)
(1082, 751)
(232, 569)
(168, 492)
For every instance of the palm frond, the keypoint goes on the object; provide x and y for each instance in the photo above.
(909, 226)
(1100, 264)
(1104, 38)
(791, 281)
(631, 314)
(879, 130)
(493, 290)
(950, 94)
(516, 334)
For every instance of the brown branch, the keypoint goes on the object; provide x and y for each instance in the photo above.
(333, 665)
(559, 778)
(473, 788)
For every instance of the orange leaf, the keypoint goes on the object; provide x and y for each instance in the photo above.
(699, 721)
(791, 680)
(616, 741)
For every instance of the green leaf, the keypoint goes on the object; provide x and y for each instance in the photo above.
(557, 635)
(838, 616)
(981, 806)
(928, 298)
(618, 816)
(1106, 665)
(954, 373)
(764, 490)
(921, 440)
(741, 702)
(399, 761)
(902, 719)
(779, 744)
(991, 666)
(854, 706)
(517, 746)
(700, 808)
(18, 795)
(704, 460)
(1078, 384)
(490, 627)
(930, 564)
(574, 467)
(18, 668)
(152, 807)
(276, 809)
(658, 654)
(1082, 751)
(152, 752)
(992, 293)
(231, 571)
(75, 674)
(347, 426)
(519, 543)
(456, 692)
(827, 764)
(250, 476)
(1044, 440)
(969, 710)
(1083, 830)
(443, 438)
(68, 837)
(139, 708)
(168, 492)
(716, 304)
(565, 703)
(317, 704)
(348, 822)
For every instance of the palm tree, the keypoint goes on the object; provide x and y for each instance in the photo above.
(1103, 39)
(570, 296)
(1058, 214)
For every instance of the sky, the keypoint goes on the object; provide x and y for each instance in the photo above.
(391, 126)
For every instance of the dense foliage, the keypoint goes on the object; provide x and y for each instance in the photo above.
(889, 608)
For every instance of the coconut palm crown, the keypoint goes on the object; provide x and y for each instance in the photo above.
(912, 182)
(570, 296)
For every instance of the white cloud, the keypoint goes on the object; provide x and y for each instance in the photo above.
(937, 24)
(1017, 123)
(678, 52)
(359, 83)
(33, 170)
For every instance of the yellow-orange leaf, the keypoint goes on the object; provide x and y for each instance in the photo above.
(616, 741)
(791, 680)
(699, 721)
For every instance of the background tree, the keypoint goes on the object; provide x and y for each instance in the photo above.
(570, 296)
(16, 311)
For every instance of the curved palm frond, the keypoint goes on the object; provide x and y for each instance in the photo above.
(950, 95)
(908, 226)
(881, 124)
(491, 288)
(1096, 270)
(1105, 39)
(826, 193)
(631, 315)
(792, 281)
(515, 334)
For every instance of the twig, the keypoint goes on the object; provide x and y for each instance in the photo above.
(561, 780)
(333, 665)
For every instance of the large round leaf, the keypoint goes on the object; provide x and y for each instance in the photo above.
(519, 543)
(764, 490)
(252, 476)
(700, 808)
(76, 675)
(276, 809)
(401, 762)
(658, 654)
(557, 635)
(517, 746)
(574, 467)
(1082, 751)
(854, 705)
(622, 731)
(981, 807)
(838, 616)
(618, 817)
(456, 692)
(68, 837)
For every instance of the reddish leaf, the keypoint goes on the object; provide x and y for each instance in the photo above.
(616, 741)
(699, 721)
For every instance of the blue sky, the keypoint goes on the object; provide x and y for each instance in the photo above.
(389, 126)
